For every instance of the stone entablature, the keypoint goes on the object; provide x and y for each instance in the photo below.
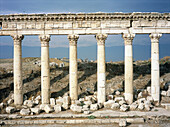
(86, 23)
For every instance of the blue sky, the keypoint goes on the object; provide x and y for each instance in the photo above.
(74, 6)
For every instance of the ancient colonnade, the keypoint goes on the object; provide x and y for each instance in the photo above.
(99, 24)
(101, 68)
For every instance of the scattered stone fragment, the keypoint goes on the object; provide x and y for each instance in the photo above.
(141, 100)
(88, 98)
(115, 106)
(87, 103)
(36, 110)
(36, 102)
(10, 101)
(147, 107)
(163, 93)
(133, 106)
(59, 101)
(110, 97)
(122, 102)
(87, 112)
(57, 108)
(81, 99)
(124, 108)
(85, 109)
(94, 107)
(94, 99)
(10, 109)
(141, 106)
(42, 106)
(52, 101)
(32, 98)
(29, 103)
(149, 90)
(65, 106)
(48, 109)
(66, 100)
(167, 106)
(86, 106)
(38, 97)
(119, 99)
(117, 93)
(150, 98)
(76, 108)
(140, 95)
(1, 105)
(109, 103)
(122, 123)
(77, 102)
(25, 111)
(168, 93)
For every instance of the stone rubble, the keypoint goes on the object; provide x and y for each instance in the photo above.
(122, 123)
(36, 110)
(86, 105)
(10, 110)
(94, 107)
(52, 101)
(48, 109)
(25, 111)
(57, 108)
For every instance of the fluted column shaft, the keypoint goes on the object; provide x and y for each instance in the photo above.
(101, 68)
(18, 83)
(128, 38)
(73, 83)
(155, 74)
(45, 69)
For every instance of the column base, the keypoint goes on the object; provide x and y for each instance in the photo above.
(128, 98)
(18, 97)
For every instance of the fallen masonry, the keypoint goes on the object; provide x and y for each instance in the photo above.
(116, 109)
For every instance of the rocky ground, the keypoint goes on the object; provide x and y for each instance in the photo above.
(87, 86)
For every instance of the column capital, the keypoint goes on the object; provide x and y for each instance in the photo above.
(128, 38)
(17, 39)
(44, 40)
(101, 38)
(73, 38)
(155, 37)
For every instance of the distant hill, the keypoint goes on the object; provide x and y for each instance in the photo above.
(115, 53)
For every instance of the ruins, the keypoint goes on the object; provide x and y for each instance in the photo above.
(99, 24)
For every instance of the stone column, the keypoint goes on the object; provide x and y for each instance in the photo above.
(73, 84)
(155, 86)
(101, 68)
(18, 83)
(128, 38)
(45, 69)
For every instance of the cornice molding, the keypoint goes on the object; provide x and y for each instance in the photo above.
(85, 16)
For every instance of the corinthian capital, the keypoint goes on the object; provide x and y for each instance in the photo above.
(128, 38)
(73, 39)
(101, 39)
(44, 40)
(155, 37)
(17, 39)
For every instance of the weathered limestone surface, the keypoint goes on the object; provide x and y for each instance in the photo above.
(73, 67)
(45, 69)
(18, 83)
(85, 23)
(128, 38)
(101, 68)
(73, 25)
(155, 76)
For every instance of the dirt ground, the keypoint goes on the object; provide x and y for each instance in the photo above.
(87, 77)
